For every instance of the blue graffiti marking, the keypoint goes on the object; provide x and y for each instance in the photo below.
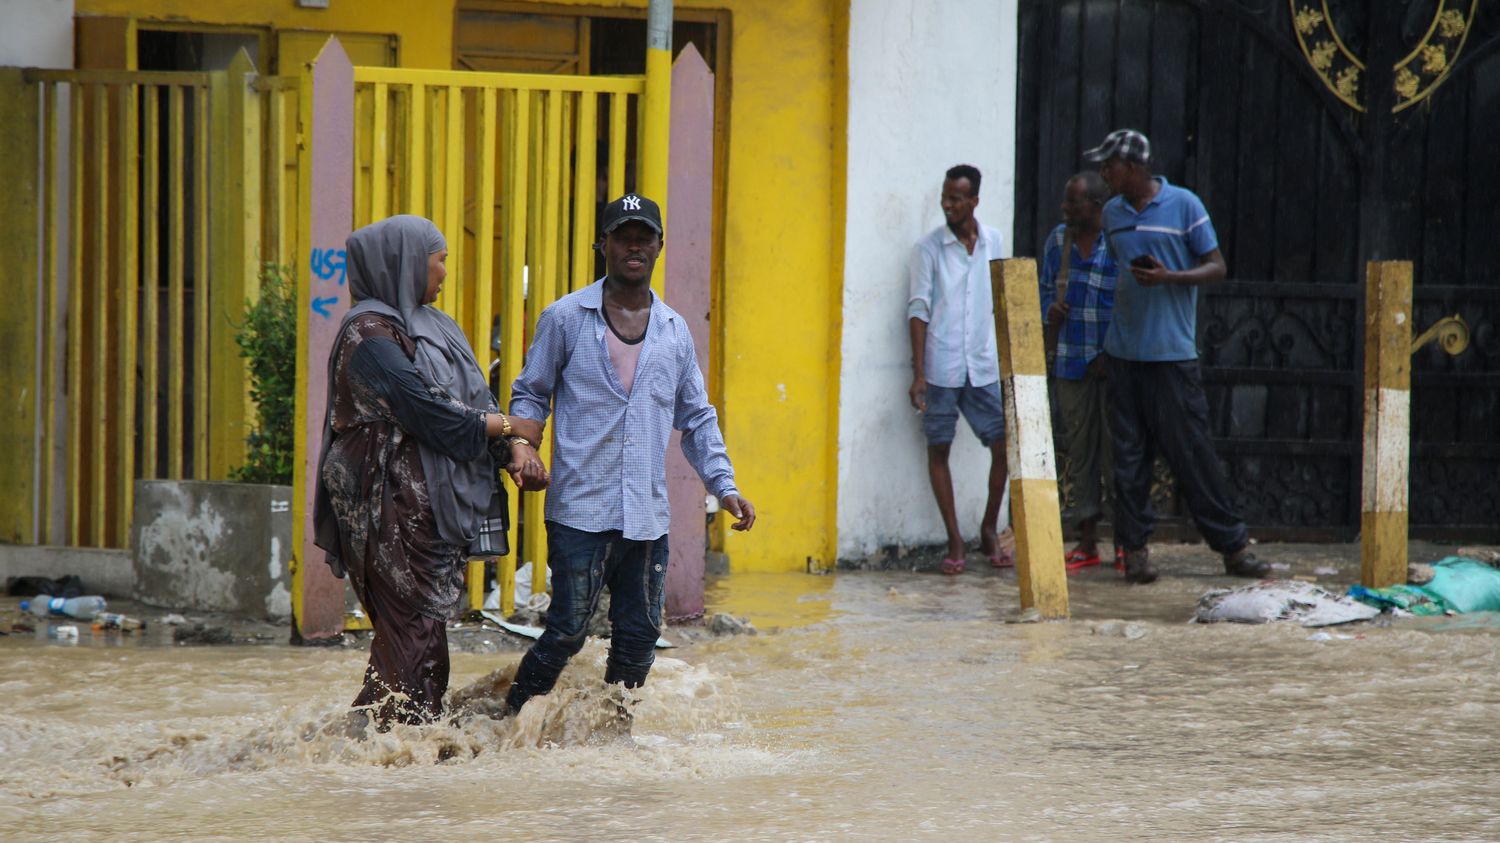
(326, 262)
(321, 304)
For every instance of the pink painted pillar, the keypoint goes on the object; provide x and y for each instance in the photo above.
(327, 199)
(689, 236)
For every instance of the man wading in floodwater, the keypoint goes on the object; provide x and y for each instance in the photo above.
(619, 369)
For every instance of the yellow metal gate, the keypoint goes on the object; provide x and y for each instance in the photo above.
(160, 195)
(511, 167)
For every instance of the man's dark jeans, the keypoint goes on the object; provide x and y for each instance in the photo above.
(582, 565)
(1160, 407)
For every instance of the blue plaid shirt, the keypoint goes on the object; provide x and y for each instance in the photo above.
(1091, 298)
(609, 455)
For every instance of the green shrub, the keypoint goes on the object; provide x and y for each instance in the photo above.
(269, 342)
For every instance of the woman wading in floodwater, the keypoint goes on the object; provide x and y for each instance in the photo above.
(407, 478)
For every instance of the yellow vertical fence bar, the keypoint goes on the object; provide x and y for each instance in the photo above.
(200, 285)
(484, 240)
(513, 315)
(541, 291)
(276, 144)
(534, 162)
(99, 409)
(176, 273)
(51, 292)
(235, 246)
(379, 173)
(436, 164)
(363, 141)
(151, 262)
(75, 320)
(559, 208)
(583, 191)
(547, 268)
(618, 103)
(416, 156)
(128, 275)
(453, 195)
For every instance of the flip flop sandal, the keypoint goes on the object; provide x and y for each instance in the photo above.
(1077, 560)
(1005, 550)
(953, 567)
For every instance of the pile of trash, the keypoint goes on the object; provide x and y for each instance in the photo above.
(1468, 582)
(1281, 600)
(1453, 585)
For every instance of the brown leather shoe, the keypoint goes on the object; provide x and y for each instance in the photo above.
(1243, 563)
(1138, 567)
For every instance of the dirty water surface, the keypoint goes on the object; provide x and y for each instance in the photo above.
(873, 705)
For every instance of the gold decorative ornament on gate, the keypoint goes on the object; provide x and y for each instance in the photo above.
(1418, 74)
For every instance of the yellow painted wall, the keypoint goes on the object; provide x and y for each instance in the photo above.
(782, 241)
(426, 36)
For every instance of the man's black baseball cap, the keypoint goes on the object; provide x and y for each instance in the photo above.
(1125, 144)
(631, 206)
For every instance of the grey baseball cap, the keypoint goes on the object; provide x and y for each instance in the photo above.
(1124, 144)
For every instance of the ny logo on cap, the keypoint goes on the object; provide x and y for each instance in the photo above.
(632, 202)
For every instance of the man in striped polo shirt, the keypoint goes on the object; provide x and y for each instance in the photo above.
(1163, 235)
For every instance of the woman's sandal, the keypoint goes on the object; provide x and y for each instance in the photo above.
(1005, 553)
(953, 567)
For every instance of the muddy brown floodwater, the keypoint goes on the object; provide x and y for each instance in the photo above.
(878, 705)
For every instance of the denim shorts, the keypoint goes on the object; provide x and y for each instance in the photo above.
(981, 405)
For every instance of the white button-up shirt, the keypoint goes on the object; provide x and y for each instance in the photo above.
(950, 291)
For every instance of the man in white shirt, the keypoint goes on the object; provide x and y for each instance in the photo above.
(955, 365)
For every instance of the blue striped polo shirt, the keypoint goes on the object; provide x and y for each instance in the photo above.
(1157, 324)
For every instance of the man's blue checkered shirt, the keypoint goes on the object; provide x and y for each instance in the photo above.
(609, 449)
(1091, 299)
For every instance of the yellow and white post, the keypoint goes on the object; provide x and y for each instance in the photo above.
(1035, 512)
(656, 131)
(1387, 444)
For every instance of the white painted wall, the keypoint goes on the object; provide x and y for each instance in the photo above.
(36, 33)
(932, 83)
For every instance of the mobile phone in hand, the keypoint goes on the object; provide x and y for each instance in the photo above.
(1143, 262)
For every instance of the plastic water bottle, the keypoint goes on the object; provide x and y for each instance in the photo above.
(83, 608)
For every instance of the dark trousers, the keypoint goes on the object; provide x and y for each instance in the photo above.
(1160, 408)
(1088, 458)
(582, 564)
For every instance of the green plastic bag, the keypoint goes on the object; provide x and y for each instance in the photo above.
(1465, 585)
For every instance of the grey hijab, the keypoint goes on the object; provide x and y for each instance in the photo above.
(387, 263)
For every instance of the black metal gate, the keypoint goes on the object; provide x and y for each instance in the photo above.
(1320, 135)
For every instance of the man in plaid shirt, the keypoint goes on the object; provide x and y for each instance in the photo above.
(1081, 318)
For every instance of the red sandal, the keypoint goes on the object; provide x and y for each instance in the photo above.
(1077, 560)
(953, 567)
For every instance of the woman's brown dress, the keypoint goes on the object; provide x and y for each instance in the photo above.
(408, 579)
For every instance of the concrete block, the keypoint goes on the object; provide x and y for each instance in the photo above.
(105, 571)
(213, 546)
